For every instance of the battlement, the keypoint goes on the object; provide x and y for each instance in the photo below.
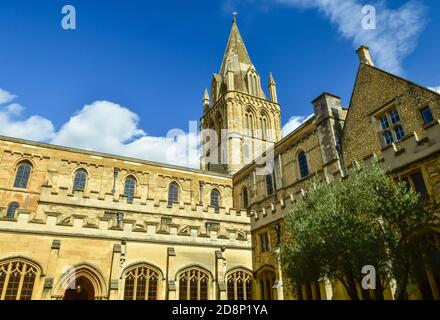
(107, 225)
(412, 148)
(149, 206)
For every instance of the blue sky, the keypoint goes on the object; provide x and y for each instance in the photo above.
(135, 69)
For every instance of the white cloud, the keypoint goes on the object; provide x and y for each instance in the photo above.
(34, 127)
(436, 89)
(106, 127)
(6, 97)
(293, 123)
(394, 38)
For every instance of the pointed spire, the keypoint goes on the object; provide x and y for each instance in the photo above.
(206, 101)
(206, 95)
(271, 80)
(236, 54)
(272, 89)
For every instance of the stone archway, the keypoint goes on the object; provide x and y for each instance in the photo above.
(81, 289)
(81, 282)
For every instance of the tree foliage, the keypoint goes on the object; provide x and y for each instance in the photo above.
(366, 218)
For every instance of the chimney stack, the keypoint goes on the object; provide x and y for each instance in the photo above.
(364, 55)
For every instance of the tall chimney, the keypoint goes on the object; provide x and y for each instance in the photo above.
(364, 55)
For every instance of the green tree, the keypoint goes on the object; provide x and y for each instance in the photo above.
(366, 218)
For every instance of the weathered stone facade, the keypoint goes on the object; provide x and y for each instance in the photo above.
(213, 233)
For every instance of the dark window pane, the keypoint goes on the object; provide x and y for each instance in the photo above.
(427, 115)
(388, 136)
(79, 183)
(245, 198)
(173, 194)
(130, 188)
(303, 167)
(400, 133)
(384, 122)
(22, 177)
(394, 116)
(183, 289)
(129, 288)
(269, 184)
(419, 185)
(215, 199)
(231, 290)
(12, 208)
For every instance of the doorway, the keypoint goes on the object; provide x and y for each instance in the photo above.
(80, 289)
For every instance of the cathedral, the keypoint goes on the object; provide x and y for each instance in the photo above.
(83, 225)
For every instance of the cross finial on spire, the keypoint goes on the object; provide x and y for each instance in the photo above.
(234, 14)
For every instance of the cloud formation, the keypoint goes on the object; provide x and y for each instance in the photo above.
(105, 127)
(6, 96)
(396, 33)
(293, 123)
(34, 127)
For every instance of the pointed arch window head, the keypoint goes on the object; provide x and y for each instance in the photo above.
(12, 208)
(215, 199)
(239, 285)
(193, 285)
(141, 283)
(130, 188)
(173, 193)
(303, 166)
(80, 181)
(17, 279)
(22, 175)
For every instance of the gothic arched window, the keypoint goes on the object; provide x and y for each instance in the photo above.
(173, 193)
(239, 285)
(12, 208)
(141, 283)
(22, 175)
(193, 284)
(17, 279)
(215, 199)
(130, 188)
(303, 166)
(79, 183)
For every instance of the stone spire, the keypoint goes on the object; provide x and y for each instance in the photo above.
(236, 57)
(272, 89)
(206, 101)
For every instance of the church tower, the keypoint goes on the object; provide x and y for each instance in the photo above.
(239, 123)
